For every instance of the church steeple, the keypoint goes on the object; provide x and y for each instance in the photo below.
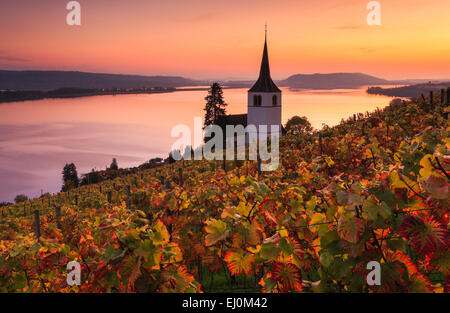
(265, 82)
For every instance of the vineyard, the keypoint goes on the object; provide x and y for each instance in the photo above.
(373, 188)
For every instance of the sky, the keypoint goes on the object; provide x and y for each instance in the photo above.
(224, 39)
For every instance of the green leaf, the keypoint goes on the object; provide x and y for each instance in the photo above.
(326, 258)
(217, 231)
(269, 251)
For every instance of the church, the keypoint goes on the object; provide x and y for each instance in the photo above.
(264, 101)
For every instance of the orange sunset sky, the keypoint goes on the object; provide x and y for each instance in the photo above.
(223, 39)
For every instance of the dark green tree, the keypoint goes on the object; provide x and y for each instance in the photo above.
(114, 165)
(20, 199)
(297, 125)
(70, 177)
(91, 178)
(215, 105)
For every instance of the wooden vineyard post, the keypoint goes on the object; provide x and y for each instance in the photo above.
(224, 165)
(76, 199)
(168, 185)
(448, 97)
(447, 102)
(109, 196)
(25, 208)
(180, 174)
(58, 212)
(259, 167)
(442, 96)
(423, 97)
(37, 226)
(128, 197)
(320, 143)
(58, 216)
(431, 101)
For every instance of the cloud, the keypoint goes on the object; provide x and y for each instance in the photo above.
(6, 57)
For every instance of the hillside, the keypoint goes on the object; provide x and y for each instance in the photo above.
(52, 80)
(331, 81)
(373, 188)
(411, 91)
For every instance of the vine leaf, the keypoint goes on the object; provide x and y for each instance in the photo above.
(247, 236)
(287, 276)
(350, 228)
(417, 281)
(177, 277)
(160, 235)
(437, 186)
(217, 231)
(239, 262)
(424, 234)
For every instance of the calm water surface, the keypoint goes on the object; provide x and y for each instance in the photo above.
(37, 138)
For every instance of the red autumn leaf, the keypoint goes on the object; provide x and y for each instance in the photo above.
(417, 281)
(239, 262)
(350, 228)
(287, 276)
(424, 234)
(246, 236)
(437, 187)
(268, 207)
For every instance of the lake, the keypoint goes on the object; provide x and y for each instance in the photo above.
(37, 138)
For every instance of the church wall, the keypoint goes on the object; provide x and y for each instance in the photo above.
(266, 114)
(266, 98)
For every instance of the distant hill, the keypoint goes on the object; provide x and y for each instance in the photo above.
(331, 81)
(411, 91)
(51, 80)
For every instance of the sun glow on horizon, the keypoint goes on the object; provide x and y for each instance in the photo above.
(202, 40)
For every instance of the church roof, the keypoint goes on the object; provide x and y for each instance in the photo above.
(265, 82)
(232, 119)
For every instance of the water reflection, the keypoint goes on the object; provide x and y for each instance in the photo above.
(38, 137)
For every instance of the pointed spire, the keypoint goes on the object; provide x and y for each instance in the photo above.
(265, 36)
(264, 82)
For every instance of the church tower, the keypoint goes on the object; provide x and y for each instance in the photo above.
(264, 98)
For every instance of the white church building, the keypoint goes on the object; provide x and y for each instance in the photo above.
(264, 102)
(264, 98)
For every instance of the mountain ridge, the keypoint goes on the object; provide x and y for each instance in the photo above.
(51, 80)
(28, 80)
(332, 81)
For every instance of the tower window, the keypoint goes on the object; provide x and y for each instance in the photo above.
(274, 101)
(257, 99)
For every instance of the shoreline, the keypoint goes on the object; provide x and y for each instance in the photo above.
(42, 95)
